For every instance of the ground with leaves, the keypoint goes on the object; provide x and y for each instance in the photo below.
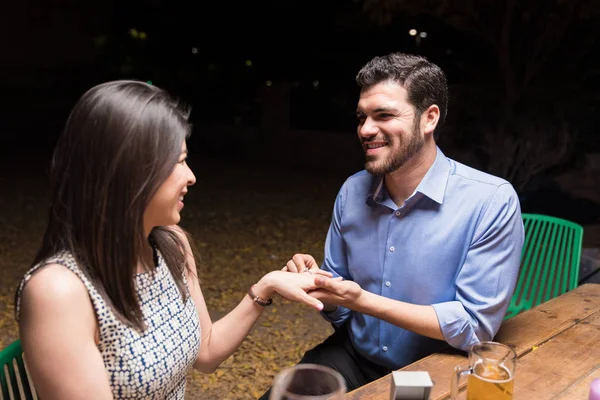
(247, 220)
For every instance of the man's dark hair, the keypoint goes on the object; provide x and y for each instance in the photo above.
(424, 81)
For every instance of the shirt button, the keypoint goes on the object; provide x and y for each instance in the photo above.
(398, 213)
(392, 249)
(388, 283)
(384, 348)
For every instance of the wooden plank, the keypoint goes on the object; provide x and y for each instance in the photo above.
(545, 321)
(523, 332)
(439, 366)
(580, 389)
(441, 371)
(559, 363)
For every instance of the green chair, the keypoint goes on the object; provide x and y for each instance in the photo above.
(15, 382)
(549, 261)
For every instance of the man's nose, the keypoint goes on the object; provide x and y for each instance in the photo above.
(368, 128)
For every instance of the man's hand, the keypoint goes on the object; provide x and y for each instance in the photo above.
(302, 263)
(337, 292)
(291, 286)
(421, 319)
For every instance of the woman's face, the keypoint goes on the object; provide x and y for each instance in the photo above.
(167, 202)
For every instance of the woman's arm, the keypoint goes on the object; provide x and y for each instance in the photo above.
(221, 338)
(57, 327)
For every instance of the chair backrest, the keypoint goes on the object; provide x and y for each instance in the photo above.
(15, 382)
(549, 261)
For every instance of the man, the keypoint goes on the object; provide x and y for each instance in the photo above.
(428, 249)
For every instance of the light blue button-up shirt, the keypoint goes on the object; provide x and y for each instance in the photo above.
(454, 244)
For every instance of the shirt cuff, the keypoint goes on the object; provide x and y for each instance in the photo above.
(455, 325)
(337, 316)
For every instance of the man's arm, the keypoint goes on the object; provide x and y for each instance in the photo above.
(487, 279)
(484, 284)
(413, 317)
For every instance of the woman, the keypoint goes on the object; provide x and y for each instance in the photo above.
(112, 306)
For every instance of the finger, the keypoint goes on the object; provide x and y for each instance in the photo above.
(285, 268)
(310, 301)
(322, 295)
(321, 272)
(304, 261)
(291, 267)
(326, 283)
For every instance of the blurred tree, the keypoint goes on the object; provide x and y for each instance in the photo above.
(524, 115)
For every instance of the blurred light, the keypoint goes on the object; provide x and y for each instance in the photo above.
(194, 50)
(143, 36)
(423, 34)
(412, 32)
(149, 82)
(315, 84)
(248, 63)
(134, 33)
(268, 83)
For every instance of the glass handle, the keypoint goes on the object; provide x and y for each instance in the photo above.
(458, 372)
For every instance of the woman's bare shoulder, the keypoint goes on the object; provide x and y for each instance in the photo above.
(53, 286)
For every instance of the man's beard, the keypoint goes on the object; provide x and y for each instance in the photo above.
(393, 162)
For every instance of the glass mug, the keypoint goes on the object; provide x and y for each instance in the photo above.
(491, 372)
(308, 382)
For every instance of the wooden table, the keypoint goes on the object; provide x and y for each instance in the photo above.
(557, 344)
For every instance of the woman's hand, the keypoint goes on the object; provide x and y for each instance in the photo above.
(292, 286)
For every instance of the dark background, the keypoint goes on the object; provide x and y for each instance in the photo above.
(273, 81)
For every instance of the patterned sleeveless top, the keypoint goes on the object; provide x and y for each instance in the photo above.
(153, 364)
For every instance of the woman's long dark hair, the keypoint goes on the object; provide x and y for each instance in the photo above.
(120, 143)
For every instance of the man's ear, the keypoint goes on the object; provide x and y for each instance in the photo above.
(429, 119)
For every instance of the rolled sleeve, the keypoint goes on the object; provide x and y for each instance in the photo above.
(487, 279)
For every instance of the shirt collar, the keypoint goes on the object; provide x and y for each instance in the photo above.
(433, 184)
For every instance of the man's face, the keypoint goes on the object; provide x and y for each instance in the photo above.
(387, 127)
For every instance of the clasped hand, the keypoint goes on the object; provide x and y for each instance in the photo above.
(329, 290)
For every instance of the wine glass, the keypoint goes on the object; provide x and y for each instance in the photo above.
(308, 382)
